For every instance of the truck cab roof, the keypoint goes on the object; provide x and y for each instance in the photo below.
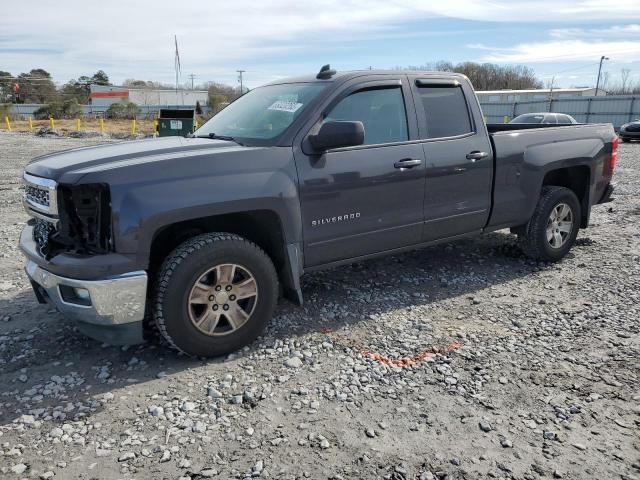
(343, 76)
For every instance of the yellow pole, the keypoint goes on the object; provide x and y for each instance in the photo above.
(77, 124)
(505, 119)
(155, 128)
(133, 126)
(52, 123)
(6, 120)
(197, 125)
(30, 124)
(102, 125)
(485, 118)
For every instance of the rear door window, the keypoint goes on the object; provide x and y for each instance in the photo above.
(446, 111)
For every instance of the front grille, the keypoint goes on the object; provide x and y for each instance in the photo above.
(40, 196)
(37, 195)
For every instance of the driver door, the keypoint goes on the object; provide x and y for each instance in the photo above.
(364, 199)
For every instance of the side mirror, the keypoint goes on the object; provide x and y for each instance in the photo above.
(336, 134)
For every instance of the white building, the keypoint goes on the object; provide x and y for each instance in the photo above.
(510, 96)
(106, 95)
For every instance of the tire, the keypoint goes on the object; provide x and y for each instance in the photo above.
(188, 280)
(534, 237)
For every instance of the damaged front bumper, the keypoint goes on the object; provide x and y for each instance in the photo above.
(110, 309)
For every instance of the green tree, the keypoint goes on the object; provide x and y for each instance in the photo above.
(6, 87)
(100, 78)
(37, 87)
(79, 89)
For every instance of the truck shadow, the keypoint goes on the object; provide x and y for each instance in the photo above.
(47, 364)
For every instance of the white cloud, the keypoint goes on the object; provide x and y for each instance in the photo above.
(564, 51)
(135, 38)
(623, 31)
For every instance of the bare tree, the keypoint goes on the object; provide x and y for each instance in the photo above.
(488, 76)
(624, 80)
(604, 81)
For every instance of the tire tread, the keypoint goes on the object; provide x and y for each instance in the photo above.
(529, 241)
(179, 255)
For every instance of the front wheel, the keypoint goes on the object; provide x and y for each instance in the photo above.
(554, 225)
(214, 294)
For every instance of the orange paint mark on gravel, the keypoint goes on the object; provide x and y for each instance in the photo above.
(408, 361)
(398, 362)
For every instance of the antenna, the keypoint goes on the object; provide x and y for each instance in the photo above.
(325, 72)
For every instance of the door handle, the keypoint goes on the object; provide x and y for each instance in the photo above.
(475, 156)
(407, 163)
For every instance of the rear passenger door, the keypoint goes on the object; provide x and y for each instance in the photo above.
(458, 155)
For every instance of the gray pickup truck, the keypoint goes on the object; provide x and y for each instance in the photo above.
(201, 235)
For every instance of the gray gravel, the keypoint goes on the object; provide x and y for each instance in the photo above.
(541, 378)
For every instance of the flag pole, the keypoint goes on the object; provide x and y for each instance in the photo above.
(177, 65)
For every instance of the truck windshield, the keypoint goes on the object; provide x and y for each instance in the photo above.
(261, 114)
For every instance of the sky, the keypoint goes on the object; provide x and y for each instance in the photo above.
(560, 39)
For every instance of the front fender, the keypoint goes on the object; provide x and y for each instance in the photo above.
(149, 196)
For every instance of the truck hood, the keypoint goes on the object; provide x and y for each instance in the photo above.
(68, 166)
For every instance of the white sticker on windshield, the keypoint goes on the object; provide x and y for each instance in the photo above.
(284, 106)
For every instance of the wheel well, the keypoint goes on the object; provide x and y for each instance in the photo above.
(262, 227)
(576, 179)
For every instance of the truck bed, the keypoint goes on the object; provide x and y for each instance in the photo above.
(523, 156)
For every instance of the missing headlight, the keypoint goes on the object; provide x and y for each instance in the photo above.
(85, 219)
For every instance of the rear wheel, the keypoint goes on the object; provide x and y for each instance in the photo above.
(553, 228)
(214, 294)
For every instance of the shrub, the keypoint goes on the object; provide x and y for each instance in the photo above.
(67, 109)
(5, 111)
(122, 110)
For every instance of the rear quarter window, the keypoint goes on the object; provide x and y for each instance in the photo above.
(446, 111)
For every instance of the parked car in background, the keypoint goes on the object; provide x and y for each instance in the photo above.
(630, 131)
(544, 118)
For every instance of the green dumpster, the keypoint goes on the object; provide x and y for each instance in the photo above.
(175, 122)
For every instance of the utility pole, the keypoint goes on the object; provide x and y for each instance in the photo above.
(240, 72)
(192, 76)
(602, 58)
(551, 93)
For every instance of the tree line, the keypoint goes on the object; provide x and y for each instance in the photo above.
(37, 86)
(488, 76)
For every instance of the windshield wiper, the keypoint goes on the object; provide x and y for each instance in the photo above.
(213, 136)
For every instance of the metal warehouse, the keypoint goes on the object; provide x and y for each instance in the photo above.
(501, 96)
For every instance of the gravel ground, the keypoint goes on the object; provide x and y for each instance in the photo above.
(460, 361)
